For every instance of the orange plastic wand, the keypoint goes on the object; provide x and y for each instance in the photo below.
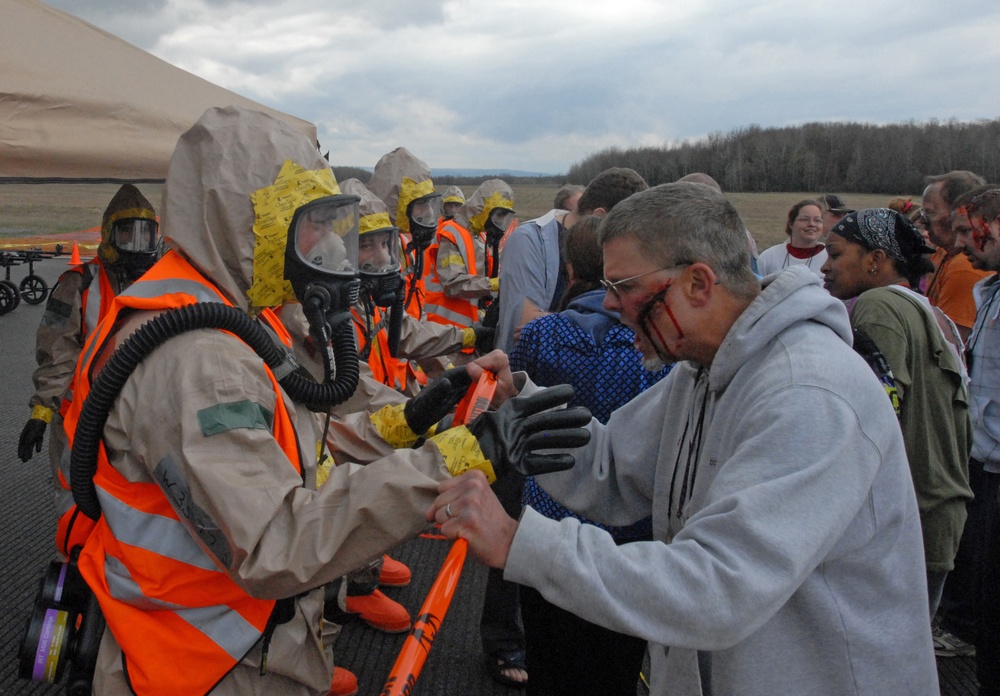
(403, 675)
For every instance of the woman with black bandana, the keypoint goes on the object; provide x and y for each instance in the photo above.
(876, 258)
(804, 247)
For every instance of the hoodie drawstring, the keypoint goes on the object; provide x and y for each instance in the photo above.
(693, 453)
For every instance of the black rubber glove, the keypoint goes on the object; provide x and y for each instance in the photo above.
(485, 338)
(436, 400)
(31, 438)
(510, 436)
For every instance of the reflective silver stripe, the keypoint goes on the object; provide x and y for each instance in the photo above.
(87, 355)
(155, 533)
(460, 242)
(448, 314)
(223, 626)
(155, 288)
(431, 285)
(92, 312)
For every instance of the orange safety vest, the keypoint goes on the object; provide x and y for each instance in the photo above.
(414, 297)
(441, 309)
(181, 621)
(95, 301)
(386, 369)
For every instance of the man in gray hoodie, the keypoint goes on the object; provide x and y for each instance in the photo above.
(787, 553)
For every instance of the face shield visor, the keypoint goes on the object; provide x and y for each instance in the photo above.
(135, 235)
(451, 209)
(423, 213)
(321, 256)
(378, 252)
(137, 246)
(497, 224)
(324, 236)
(501, 218)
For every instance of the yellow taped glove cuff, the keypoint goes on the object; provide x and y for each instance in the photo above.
(460, 451)
(468, 338)
(323, 470)
(391, 424)
(42, 413)
(495, 284)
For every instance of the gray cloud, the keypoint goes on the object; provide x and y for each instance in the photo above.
(530, 85)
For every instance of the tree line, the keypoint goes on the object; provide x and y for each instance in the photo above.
(843, 157)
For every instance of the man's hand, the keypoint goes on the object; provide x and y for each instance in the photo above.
(467, 508)
(497, 363)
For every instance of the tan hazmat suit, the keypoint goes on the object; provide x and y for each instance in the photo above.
(283, 537)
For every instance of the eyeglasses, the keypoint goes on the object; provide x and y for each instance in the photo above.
(614, 286)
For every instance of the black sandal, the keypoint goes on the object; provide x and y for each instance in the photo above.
(497, 663)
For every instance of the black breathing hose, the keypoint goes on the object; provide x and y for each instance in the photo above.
(396, 321)
(155, 332)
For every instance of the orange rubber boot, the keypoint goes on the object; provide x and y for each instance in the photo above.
(344, 683)
(394, 573)
(378, 611)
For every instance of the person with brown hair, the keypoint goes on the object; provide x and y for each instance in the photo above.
(804, 247)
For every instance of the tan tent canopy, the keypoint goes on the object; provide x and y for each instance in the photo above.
(77, 103)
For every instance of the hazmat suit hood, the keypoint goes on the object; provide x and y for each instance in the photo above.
(399, 179)
(127, 203)
(372, 211)
(235, 179)
(453, 194)
(493, 193)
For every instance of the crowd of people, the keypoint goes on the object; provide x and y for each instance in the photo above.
(773, 473)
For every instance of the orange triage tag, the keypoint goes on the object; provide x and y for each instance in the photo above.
(476, 400)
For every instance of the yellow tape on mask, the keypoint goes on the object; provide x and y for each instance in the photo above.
(460, 451)
(409, 191)
(495, 200)
(374, 222)
(273, 208)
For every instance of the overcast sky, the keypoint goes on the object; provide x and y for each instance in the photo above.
(538, 85)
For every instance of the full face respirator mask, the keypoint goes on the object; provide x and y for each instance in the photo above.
(321, 258)
(382, 284)
(378, 263)
(423, 214)
(496, 226)
(137, 244)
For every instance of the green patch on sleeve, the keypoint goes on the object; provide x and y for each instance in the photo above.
(236, 414)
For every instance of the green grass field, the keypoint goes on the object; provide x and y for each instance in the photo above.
(29, 210)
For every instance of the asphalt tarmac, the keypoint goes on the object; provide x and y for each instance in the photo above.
(27, 520)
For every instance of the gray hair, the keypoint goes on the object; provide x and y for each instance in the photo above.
(684, 223)
(564, 194)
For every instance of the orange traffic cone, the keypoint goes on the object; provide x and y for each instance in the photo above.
(74, 259)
